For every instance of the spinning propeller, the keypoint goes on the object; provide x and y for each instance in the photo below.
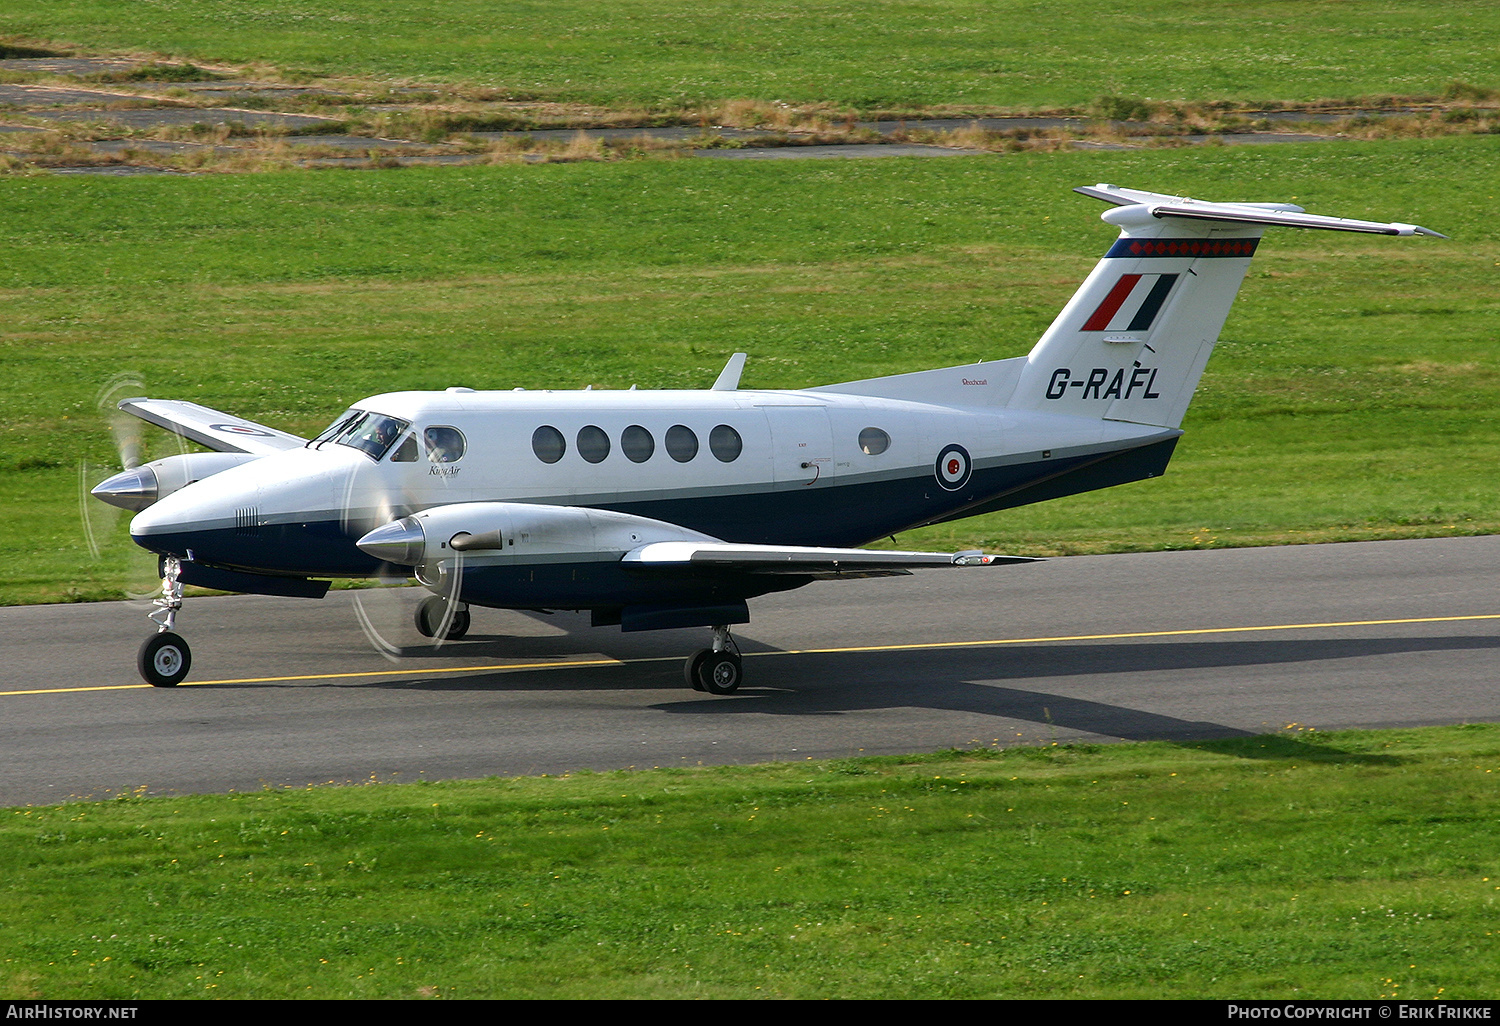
(386, 613)
(103, 521)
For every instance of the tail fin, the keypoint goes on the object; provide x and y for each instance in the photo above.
(1133, 341)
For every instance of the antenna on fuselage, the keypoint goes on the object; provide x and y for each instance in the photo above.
(729, 378)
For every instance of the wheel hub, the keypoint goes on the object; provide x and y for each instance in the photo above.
(167, 661)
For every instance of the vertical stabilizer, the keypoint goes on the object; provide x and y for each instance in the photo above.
(1133, 341)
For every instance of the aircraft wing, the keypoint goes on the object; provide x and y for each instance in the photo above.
(802, 561)
(221, 432)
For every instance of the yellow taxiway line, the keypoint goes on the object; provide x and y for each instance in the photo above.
(580, 663)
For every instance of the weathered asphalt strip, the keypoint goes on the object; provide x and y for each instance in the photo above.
(1149, 645)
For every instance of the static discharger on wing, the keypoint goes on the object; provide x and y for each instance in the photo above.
(661, 509)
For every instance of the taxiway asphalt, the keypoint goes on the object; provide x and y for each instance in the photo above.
(1172, 645)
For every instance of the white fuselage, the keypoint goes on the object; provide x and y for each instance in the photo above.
(808, 467)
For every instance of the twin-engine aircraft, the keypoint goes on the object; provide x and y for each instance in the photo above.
(658, 509)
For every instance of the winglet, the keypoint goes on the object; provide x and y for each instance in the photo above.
(729, 378)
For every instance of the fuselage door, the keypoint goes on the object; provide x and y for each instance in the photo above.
(802, 443)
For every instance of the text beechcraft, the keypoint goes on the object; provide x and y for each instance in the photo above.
(657, 509)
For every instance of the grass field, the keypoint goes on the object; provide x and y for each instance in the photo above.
(981, 54)
(1298, 865)
(1353, 395)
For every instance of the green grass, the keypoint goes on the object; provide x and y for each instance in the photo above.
(1354, 394)
(1355, 865)
(897, 53)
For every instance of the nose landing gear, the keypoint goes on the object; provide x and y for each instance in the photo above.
(164, 658)
(717, 670)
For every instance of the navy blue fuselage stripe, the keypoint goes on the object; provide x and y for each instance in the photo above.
(1182, 248)
(843, 515)
(1154, 299)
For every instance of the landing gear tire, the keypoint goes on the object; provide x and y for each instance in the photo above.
(691, 669)
(717, 670)
(721, 673)
(459, 625)
(164, 660)
(429, 616)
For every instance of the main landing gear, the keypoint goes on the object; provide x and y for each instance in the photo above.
(429, 618)
(717, 670)
(164, 659)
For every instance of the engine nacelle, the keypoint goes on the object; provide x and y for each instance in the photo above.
(140, 487)
(489, 532)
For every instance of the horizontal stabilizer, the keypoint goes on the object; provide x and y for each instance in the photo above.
(221, 432)
(1282, 215)
(805, 561)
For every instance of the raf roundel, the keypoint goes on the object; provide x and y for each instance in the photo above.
(953, 467)
(239, 429)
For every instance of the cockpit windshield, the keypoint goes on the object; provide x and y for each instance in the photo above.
(371, 433)
(340, 422)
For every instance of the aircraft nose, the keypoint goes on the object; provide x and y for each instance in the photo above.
(401, 542)
(132, 489)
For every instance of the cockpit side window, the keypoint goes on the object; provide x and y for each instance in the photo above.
(372, 434)
(406, 452)
(444, 444)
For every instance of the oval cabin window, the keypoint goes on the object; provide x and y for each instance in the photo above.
(548, 444)
(593, 444)
(637, 444)
(682, 444)
(444, 444)
(873, 441)
(725, 443)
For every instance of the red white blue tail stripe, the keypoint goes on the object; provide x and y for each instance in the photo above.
(1132, 304)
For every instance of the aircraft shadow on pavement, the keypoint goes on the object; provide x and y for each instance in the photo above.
(576, 638)
(569, 634)
(958, 679)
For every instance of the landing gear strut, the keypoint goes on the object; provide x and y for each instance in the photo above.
(164, 658)
(717, 670)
